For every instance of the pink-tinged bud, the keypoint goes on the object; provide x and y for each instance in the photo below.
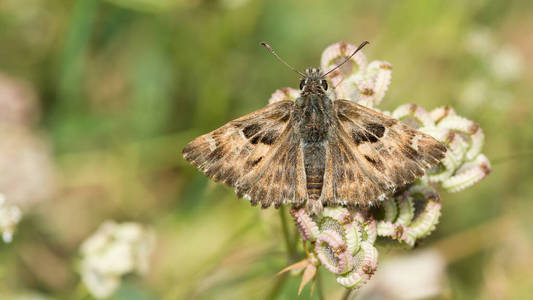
(427, 220)
(468, 174)
(383, 74)
(440, 113)
(416, 113)
(353, 236)
(307, 228)
(386, 228)
(332, 252)
(339, 214)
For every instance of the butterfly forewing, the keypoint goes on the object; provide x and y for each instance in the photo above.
(371, 154)
(258, 154)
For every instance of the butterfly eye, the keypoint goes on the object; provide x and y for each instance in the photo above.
(324, 85)
(302, 84)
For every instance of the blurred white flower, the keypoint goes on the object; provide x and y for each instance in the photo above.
(480, 41)
(507, 64)
(113, 251)
(426, 277)
(26, 162)
(10, 215)
(475, 92)
(27, 167)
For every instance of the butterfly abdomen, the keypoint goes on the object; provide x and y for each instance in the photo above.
(314, 155)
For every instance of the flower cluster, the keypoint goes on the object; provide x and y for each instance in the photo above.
(464, 164)
(410, 215)
(9, 217)
(342, 239)
(113, 251)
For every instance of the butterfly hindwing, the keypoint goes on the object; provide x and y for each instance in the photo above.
(258, 154)
(371, 154)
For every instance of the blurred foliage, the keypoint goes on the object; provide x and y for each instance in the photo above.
(124, 85)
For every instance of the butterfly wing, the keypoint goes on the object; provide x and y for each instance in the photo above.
(371, 154)
(258, 154)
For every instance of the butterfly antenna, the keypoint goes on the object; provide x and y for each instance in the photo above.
(356, 50)
(280, 59)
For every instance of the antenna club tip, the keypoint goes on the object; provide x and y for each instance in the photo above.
(264, 44)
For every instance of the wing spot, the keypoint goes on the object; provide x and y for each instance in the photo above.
(255, 162)
(370, 159)
(361, 137)
(269, 138)
(376, 129)
(255, 139)
(251, 130)
(342, 117)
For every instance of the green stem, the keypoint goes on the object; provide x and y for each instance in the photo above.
(319, 287)
(81, 292)
(347, 294)
(291, 245)
(292, 254)
(278, 285)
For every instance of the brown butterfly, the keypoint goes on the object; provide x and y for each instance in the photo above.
(314, 151)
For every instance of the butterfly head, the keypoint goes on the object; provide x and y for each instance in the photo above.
(313, 82)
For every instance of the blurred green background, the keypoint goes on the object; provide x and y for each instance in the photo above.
(114, 90)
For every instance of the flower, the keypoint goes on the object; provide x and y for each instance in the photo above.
(341, 239)
(507, 64)
(403, 222)
(113, 251)
(26, 162)
(10, 215)
(464, 163)
(27, 167)
(480, 41)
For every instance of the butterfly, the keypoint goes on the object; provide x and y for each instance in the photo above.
(314, 151)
